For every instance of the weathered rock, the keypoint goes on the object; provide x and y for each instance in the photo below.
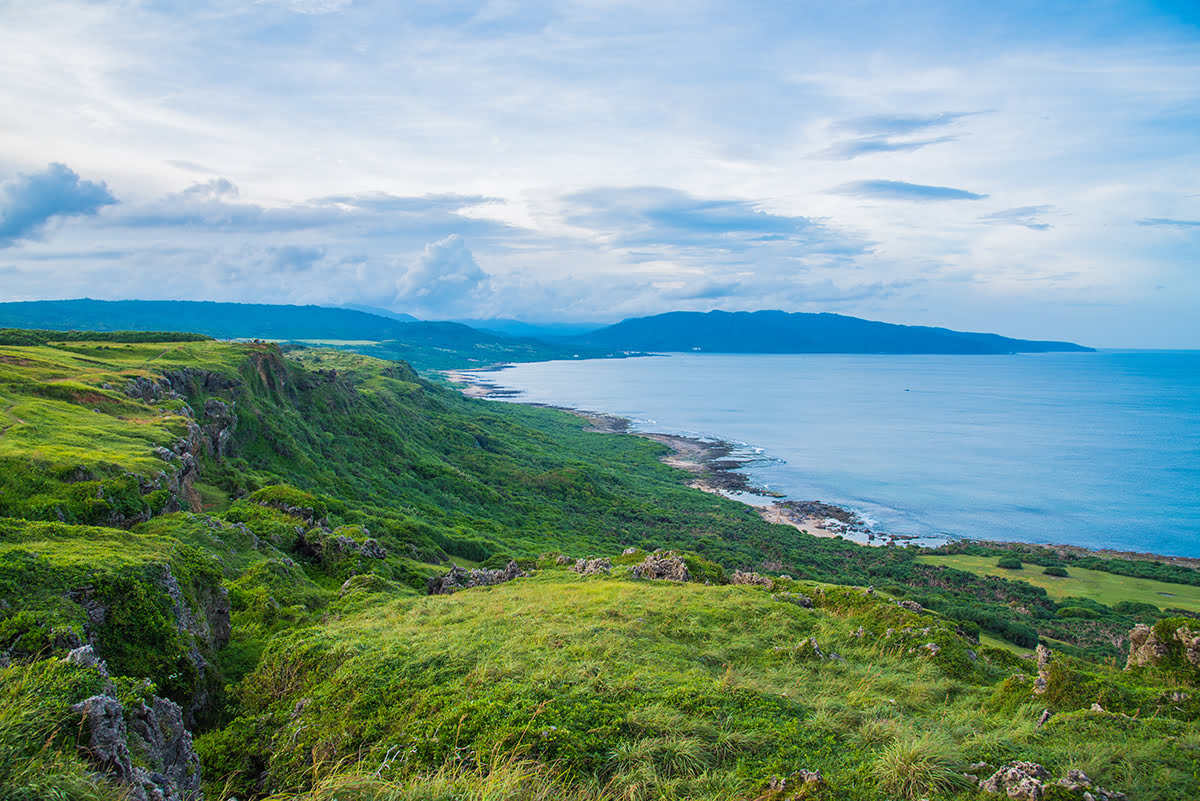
(459, 578)
(220, 423)
(800, 784)
(629, 552)
(1029, 781)
(1024, 781)
(739, 577)
(590, 567)
(107, 736)
(911, 606)
(671, 568)
(1044, 658)
(1144, 647)
(151, 754)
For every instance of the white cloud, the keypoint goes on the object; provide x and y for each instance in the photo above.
(514, 111)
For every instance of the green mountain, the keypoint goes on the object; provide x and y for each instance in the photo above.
(782, 332)
(216, 562)
(426, 345)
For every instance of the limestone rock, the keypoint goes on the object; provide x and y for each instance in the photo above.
(658, 566)
(1029, 781)
(739, 577)
(1044, 658)
(459, 578)
(590, 567)
(1021, 780)
(162, 765)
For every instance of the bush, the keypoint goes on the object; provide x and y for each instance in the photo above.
(1020, 635)
(1060, 572)
(1010, 563)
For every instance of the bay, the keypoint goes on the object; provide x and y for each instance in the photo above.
(1100, 450)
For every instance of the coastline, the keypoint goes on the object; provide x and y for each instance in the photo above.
(714, 467)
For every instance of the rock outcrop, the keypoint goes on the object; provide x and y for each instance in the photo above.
(755, 579)
(199, 614)
(655, 566)
(1044, 658)
(220, 423)
(459, 578)
(1172, 645)
(591, 567)
(1029, 781)
(146, 748)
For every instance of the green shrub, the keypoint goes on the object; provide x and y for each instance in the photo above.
(1056, 571)
(1010, 563)
(918, 766)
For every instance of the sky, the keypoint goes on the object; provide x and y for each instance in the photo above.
(1027, 168)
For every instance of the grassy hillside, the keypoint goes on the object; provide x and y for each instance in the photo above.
(426, 345)
(245, 535)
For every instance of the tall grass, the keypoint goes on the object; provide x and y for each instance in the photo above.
(918, 765)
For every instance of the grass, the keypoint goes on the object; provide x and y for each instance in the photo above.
(637, 690)
(343, 680)
(1106, 588)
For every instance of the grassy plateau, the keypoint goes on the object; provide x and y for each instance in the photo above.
(249, 533)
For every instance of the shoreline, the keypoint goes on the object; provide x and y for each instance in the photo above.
(713, 466)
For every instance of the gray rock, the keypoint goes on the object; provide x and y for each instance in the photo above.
(459, 578)
(671, 568)
(1044, 658)
(1024, 781)
(591, 567)
(755, 579)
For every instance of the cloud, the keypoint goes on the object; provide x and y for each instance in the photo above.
(312, 7)
(1027, 216)
(444, 278)
(293, 258)
(900, 124)
(853, 148)
(1169, 222)
(31, 200)
(657, 215)
(901, 190)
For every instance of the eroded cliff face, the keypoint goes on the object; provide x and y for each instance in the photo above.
(125, 626)
(142, 745)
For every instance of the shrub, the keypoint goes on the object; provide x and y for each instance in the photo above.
(918, 766)
(1077, 611)
(1021, 635)
(1009, 563)
(1055, 570)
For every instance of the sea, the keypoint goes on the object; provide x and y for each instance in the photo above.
(1100, 450)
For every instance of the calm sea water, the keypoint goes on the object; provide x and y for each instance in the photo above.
(1094, 449)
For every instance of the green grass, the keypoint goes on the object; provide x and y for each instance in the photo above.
(1106, 588)
(631, 689)
(343, 680)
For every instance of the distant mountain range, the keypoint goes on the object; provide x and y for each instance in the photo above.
(442, 345)
(782, 332)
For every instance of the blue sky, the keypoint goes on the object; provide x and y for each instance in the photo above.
(1026, 168)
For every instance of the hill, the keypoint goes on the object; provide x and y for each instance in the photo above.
(782, 332)
(426, 345)
(216, 562)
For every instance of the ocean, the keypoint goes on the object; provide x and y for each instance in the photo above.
(1100, 450)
